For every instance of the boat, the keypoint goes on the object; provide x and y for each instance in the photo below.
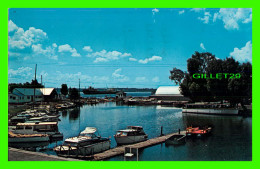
(87, 143)
(26, 138)
(176, 139)
(133, 134)
(92, 90)
(210, 108)
(50, 128)
(196, 131)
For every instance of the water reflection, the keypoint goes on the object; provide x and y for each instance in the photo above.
(74, 114)
(64, 113)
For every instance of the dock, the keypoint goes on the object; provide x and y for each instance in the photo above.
(121, 149)
(23, 155)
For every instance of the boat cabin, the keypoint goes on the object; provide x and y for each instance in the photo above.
(37, 126)
(206, 106)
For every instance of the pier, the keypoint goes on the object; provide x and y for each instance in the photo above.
(121, 149)
(23, 155)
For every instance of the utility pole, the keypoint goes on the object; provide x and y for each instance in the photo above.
(79, 89)
(34, 85)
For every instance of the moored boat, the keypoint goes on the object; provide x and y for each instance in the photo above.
(27, 138)
(50, 128)
(133, 134)
(176, 139)
(87, 143)
(210, 108)
(196, 131)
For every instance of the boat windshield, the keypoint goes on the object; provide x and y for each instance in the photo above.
(121, 133)
(70, 144)
(91, 135)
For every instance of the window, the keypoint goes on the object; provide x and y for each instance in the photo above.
(28, 127)
(28, 97)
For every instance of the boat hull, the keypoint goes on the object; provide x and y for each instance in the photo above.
(121, 140)
(175, 140)
(211, 111)
(83, 150)
(28, 139)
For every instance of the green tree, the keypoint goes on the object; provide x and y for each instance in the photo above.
(235, 90)
(33, 84)
(64, 89)
(177, 75)
(74, 94)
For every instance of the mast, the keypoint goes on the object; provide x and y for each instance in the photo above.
(34, 85)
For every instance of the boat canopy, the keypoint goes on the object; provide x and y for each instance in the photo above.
(127, 130)
(89, 130)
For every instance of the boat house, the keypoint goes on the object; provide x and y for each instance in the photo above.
(169, 93)
(26, 95)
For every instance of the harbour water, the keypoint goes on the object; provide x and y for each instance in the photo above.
(231, 138)
(133, 94)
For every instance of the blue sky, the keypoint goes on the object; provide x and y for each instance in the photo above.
(120, 47)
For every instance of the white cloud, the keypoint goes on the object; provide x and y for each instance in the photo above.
(22, 71)
(68, 48)
(156, 79)
(202, 46)
(155, 11)
(105, 56)
(119, 77)
(140, 79)
(43, 74)
(54, 45)
(232, 17)
(48, 51)
(153, 58)
(247, 20)
(132, 59)
(206, 17)
(72, 77)
(12, 26)
(198, 9)
(22, 39)
(181, 12)
(87, 49)
(244, 54)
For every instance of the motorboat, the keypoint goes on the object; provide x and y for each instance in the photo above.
(176, 139)
(196, 131)
(87, 143)
(133, 134)
(50, 128)
(27, 138)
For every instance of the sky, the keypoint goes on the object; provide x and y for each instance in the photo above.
(120, 47)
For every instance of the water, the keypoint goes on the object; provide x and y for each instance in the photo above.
(133, 94)
(231, 137)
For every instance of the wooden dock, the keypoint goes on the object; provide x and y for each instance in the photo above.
(120, 150)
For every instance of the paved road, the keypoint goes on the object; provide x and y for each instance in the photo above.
(22, 155)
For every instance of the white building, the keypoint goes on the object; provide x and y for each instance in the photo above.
(26, 95)
(171, 93)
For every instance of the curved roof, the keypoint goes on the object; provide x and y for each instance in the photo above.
(168, 90)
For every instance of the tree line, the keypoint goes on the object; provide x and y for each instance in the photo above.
(233, 90)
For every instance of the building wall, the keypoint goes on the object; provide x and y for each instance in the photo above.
(22, 99)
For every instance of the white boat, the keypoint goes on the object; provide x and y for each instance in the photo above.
(26, 138)
(50, 128)
(133, 134)
(87, 143)
(205, 108)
